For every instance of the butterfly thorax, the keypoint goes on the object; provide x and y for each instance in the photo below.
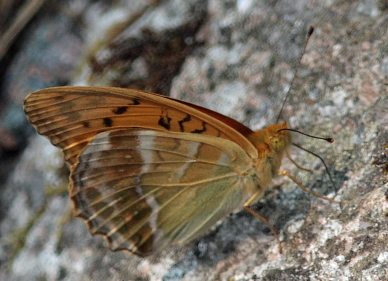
(271, 144)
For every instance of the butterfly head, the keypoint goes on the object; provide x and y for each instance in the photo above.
(279, 138)
(272, 140)
(271, 143)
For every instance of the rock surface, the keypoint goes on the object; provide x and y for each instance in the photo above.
(238, 58)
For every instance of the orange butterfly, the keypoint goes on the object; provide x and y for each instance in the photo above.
(148, 170)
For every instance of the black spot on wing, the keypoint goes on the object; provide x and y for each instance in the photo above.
(136, 101)
(120, 110)
(165, 122)
(200, 131)
(186, 119)
(86, 124)
(108, 122)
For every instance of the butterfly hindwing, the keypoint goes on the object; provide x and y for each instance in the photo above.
(144, 189)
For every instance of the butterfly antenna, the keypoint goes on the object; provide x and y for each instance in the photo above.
(296, 164)
(320, 158)
(310, 32)
(331, 140)
(307, 135)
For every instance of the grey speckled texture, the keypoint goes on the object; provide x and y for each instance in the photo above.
(247, 57)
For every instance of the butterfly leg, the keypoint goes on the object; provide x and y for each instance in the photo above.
(287, 174)
(296, 164)
(264, 220)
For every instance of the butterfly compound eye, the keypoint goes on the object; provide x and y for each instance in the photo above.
(278, 144)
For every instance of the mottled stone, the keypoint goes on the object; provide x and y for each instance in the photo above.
(253, 46)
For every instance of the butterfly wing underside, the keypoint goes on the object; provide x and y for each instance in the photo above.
(145, 189)
(146, 170)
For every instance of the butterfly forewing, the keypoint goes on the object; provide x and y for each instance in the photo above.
(71, 116)
(144, 189)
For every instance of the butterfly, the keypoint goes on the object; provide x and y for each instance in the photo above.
(146, 170)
